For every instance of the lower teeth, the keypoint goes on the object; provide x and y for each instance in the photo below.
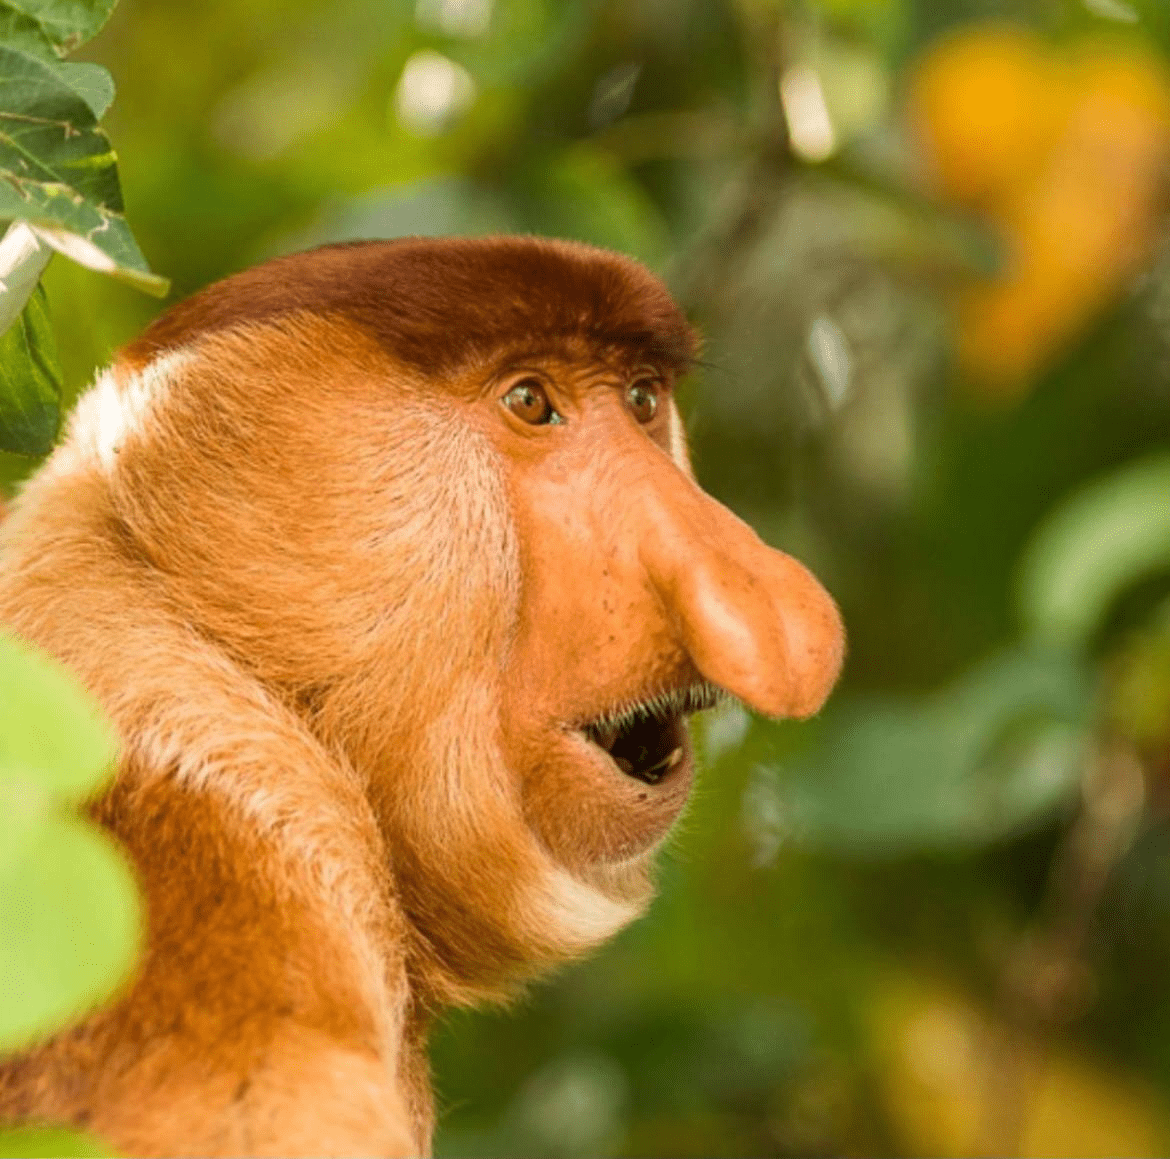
(666, 764)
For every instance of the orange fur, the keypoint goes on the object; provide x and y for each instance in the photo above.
(351, 617)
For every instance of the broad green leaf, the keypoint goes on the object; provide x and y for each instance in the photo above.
(49, 135)
(994, 753)
(1102, 540)
(92, 83)
(57, 170)
(50, 724)
(26, 804)
(58, 26)
(88, 253)
(45, 1142)
(22, 261)
(70, 917)
(30, 383)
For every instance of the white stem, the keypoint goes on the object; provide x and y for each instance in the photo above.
(22, 260)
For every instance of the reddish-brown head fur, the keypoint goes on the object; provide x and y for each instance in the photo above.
(400, 671)
(441, 304)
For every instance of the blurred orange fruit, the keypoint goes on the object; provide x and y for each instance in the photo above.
(1064, 152)
(987, 105)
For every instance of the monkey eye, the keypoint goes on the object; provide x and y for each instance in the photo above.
(642, 399)
(527, 400)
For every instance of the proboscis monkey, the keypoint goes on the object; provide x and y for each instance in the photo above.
(389, 565)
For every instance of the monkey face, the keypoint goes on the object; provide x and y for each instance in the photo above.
(643, 600)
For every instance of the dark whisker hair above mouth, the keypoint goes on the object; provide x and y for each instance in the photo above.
(670, 702)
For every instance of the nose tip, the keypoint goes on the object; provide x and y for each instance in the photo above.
(753, 620)
(762, 628)
(814, 636)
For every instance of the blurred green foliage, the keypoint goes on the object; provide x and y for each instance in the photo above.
(934, 920)
(69, 920)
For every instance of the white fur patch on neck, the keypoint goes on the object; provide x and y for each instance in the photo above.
(118, 406)
(580, 916)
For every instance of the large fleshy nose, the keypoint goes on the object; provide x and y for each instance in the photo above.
(754, 620)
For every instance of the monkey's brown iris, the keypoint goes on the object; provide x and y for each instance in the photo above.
(642, 399)
(527, 400)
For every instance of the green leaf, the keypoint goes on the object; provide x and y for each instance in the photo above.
(49, 723)
(70, 917)
(1102, 540)
(30, 382)
(993, 754)
(57, 26)
(49, 135)
(92, 83)
(44, 1142)
(57, 170)
(26, 803)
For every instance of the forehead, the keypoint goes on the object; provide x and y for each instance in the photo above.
(441, 305)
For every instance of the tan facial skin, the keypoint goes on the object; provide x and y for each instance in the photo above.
(400, 673)
(670, 591)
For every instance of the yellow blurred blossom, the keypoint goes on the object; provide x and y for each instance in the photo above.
(1063, 151)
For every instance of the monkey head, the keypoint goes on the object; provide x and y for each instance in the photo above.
(434, 496)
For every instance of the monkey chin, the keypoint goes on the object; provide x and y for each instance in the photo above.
(607, 786)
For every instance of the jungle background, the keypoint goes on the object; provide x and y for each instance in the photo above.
(927, 243)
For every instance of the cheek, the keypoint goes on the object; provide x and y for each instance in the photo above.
(584, 811)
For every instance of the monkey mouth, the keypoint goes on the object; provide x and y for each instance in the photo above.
(648, 740)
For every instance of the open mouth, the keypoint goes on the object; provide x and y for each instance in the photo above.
(648, 740)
